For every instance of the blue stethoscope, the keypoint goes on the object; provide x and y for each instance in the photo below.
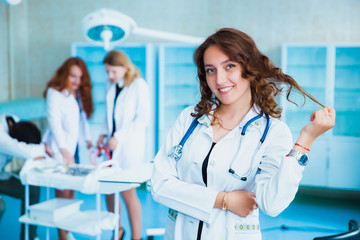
(176, 151)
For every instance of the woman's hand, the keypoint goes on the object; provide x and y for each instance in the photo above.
(100, 141)
(69, 159)
(320, 121)
(89, 144)
(48, 150)
(112, 144)
(241, 203)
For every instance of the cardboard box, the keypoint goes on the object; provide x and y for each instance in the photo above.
(54, 209)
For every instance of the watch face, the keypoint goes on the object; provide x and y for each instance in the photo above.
(303, 160)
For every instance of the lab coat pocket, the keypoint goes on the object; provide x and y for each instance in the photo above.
(170, 224)
(189, 227)
(179, 226)
(245, 228)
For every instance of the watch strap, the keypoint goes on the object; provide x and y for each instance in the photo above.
(301, 158)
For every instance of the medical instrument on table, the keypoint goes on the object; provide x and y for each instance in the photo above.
(100, 151)
(79, 171)
(176, 151)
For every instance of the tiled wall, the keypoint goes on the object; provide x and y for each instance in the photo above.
(4, 54)
(42, 31)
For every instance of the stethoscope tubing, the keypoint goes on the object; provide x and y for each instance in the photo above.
(262, 139)
(176, 151)
(189, 131)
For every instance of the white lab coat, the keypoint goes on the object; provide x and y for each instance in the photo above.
(274, 177)
(10, 147)
(67, 124)
(132, 117)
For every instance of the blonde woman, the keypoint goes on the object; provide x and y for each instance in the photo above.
(127, 117)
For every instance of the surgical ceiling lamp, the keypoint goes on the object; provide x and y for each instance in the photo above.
(12, 2)
(107, 27)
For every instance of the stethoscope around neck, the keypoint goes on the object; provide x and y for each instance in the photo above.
(176, 151)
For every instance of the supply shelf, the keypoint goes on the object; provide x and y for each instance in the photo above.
(102, 180)
(84, 222)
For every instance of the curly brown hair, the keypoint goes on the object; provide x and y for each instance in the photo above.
(119, 58)
(263, 75)
(60, 81)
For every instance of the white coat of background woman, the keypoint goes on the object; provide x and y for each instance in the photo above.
(19, 139)
(69, 104)
(215, 190)
(127, 118)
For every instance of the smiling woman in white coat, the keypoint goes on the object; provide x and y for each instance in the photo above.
(235, 155)
(69, 104)
(127, 118)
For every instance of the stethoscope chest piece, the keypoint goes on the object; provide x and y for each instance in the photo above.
(175, 152)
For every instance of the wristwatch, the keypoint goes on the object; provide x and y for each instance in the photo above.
(302, 158)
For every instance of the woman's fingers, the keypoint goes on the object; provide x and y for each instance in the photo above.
(321, 121)
(242, 203)
(112, 143)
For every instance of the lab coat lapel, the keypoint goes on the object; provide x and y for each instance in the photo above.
(121, 103)
(204, 120)
(253, 112)
(110, 105)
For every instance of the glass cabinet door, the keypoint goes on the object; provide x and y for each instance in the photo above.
(347, 91)
(345, 144)
(178, 84)
(93, 57)
(307, 65)
(331, 73)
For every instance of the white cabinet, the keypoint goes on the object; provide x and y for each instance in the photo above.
(177, 86)
(331, 73)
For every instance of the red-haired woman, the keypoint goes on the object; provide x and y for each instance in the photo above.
(69, 104)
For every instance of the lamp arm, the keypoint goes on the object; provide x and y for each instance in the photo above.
(167, 36)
